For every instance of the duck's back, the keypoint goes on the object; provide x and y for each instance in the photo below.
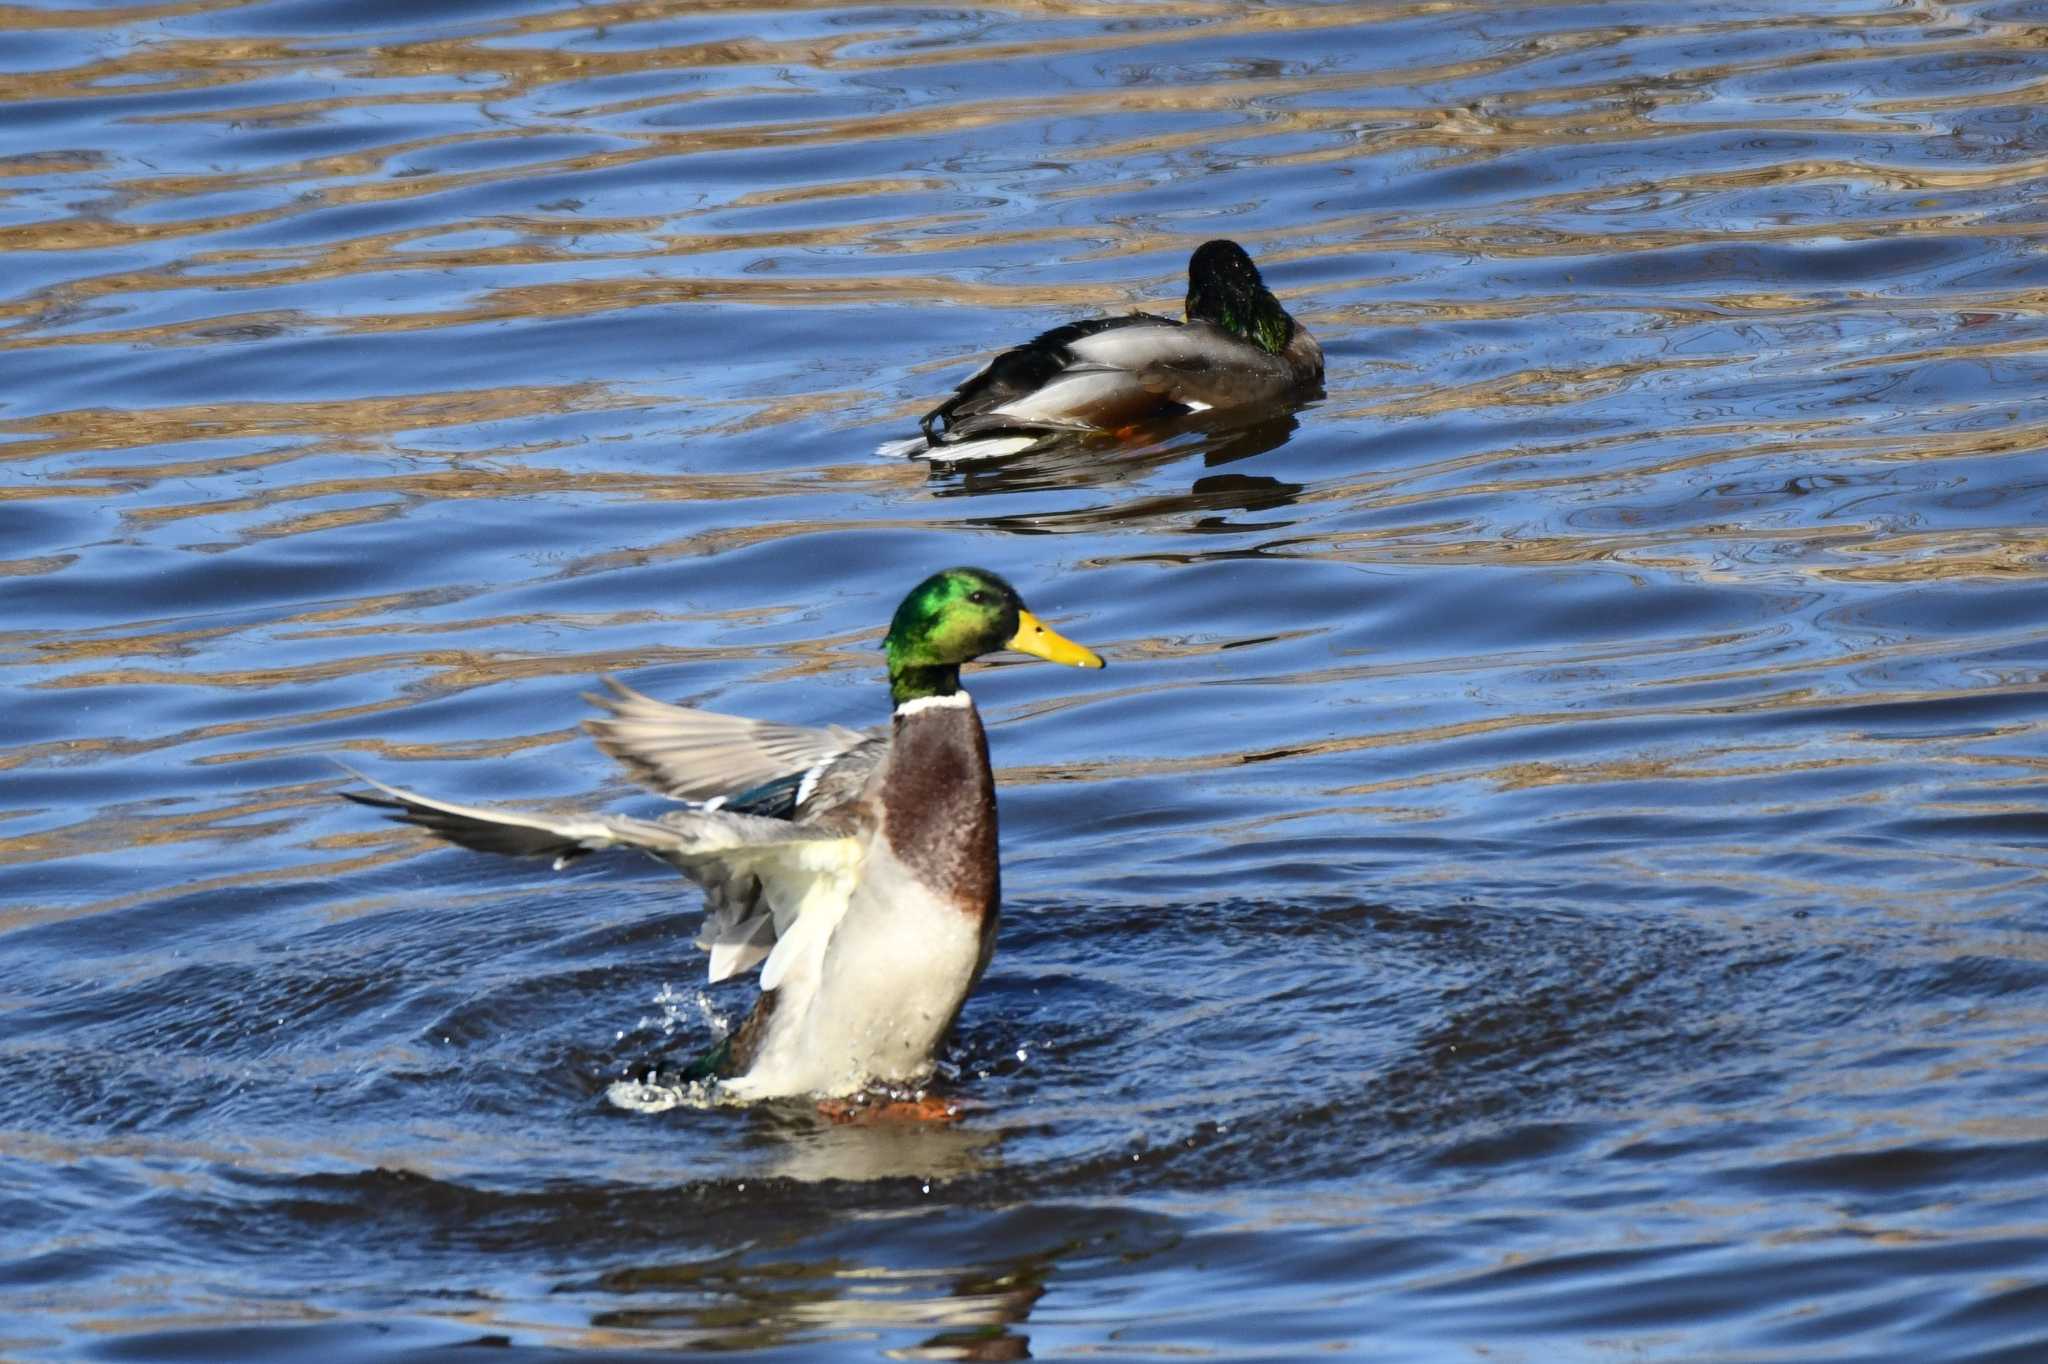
(1036, 382)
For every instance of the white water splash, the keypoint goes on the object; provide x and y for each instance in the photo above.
(695, 1012)
(651, 1095)
(677, 1008)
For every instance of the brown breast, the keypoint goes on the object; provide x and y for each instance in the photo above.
(939, 804)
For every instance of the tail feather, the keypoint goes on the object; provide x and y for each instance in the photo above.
(968, 450)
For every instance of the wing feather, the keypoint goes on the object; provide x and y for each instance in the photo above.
(510, 833)
(1196, 366)
(762, 878)
(1083, 398)
(691, 754)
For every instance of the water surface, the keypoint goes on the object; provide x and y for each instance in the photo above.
(1552, 872)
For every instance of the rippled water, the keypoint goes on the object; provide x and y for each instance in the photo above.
(1554, 870)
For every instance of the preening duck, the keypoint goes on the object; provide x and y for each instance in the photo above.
(1238, 348)
(858, 868)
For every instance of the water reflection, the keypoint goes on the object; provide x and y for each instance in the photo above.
(971, 1312)
(812, 1151)
(1217, 441)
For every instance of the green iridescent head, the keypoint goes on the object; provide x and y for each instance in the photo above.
(960, 614)
(1224, 288)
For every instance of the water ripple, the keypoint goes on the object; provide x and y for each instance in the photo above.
(1552, 869)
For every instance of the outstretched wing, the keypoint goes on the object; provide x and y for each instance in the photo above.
(701, 755)
(761, 877)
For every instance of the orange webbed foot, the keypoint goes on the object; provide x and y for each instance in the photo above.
(866, 1112)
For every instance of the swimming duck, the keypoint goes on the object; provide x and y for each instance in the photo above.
(858, 868)
(1237, 348)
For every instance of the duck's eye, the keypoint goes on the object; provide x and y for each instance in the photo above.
(980, 598)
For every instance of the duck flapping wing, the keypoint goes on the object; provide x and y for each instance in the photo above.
(761, 876)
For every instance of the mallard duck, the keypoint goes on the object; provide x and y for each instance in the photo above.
(1238, 348)
(858, 868)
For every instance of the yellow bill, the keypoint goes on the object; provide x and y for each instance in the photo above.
(1039, 640)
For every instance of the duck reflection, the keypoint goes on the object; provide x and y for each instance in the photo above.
(1219, 438)
(800, 1145)
(733, 1304)
(1206, 506)
(940, 1276)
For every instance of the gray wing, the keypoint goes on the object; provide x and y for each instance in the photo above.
(836, 781)
(701, 755)
(1197, 366)
(759, 875)
(686, 840)
(1043, 387)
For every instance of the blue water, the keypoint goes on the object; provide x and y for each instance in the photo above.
(1553, 870)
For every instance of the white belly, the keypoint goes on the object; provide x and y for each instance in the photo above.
(875, 1001)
